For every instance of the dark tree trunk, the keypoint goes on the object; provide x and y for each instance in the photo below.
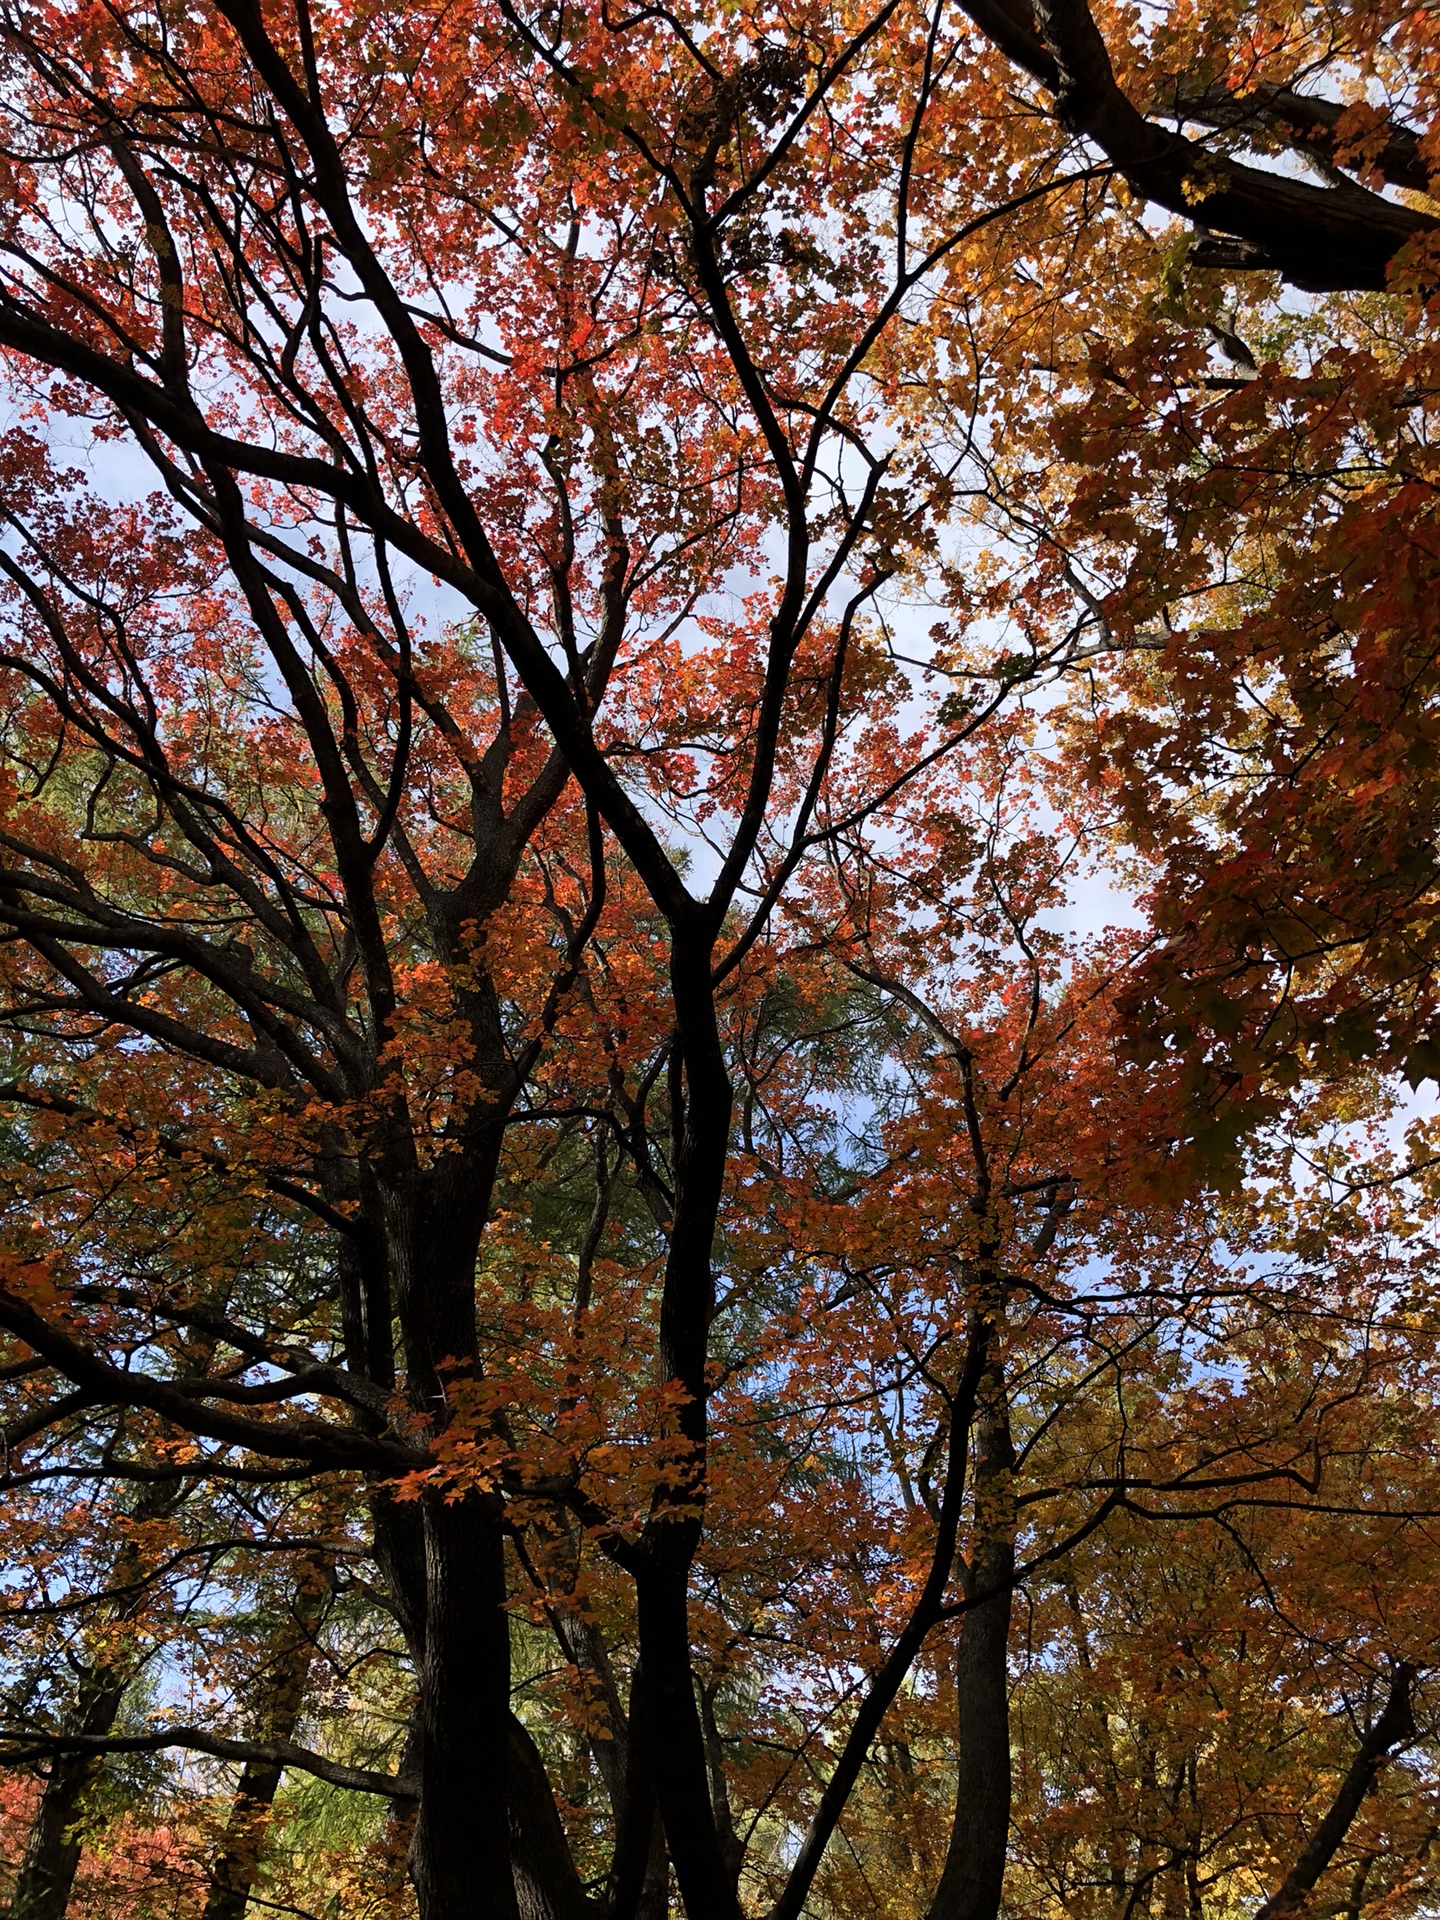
(973, 1877)
(639, 1871)
(460, 1857)
(546, 1883)
(676, 1742)
(461, 1863)
(1393, 1728)
(52, 1854)
(233, 1873)
(701, 1105)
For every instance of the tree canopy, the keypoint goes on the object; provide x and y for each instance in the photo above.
(718, 893)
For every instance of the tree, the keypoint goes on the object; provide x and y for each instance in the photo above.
(46, 1875)
(462, 828)
(1230, 492)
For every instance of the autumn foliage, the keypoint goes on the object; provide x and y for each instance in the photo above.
(719, 772)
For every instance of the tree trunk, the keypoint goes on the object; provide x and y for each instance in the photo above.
(52, 1853)
(1395, 1725)
(460, 1857)
(974, 1872)
(461, 1862)
(639, 1870)
(701, 1106)
(676, 1741)
(233, 1873)
(547, 1885)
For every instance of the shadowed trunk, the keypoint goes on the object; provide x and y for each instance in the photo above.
(1395, 1725)
(546, 1883)
(460, 1854)
(639, 1886)
(974, 1872)
(460, 1857)
(701, 1106)
(47, 1872)
(52, 1854)
(233, 1874)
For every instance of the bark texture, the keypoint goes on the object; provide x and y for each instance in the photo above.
(233, 1873)
(46, 1878)
(1321, 238)
(1395, 1725)
(974, 1872)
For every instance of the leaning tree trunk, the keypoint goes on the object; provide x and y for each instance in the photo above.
(46, 1878)
(974, 1872)
(52, 1854)
(1394, 1727)
(233, 1874)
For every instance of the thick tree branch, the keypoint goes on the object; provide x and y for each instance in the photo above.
(1319, 238)
(317, 1441)
(1308, 124)
(925, 1614)
(1395, 1725)
(25, 1748)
